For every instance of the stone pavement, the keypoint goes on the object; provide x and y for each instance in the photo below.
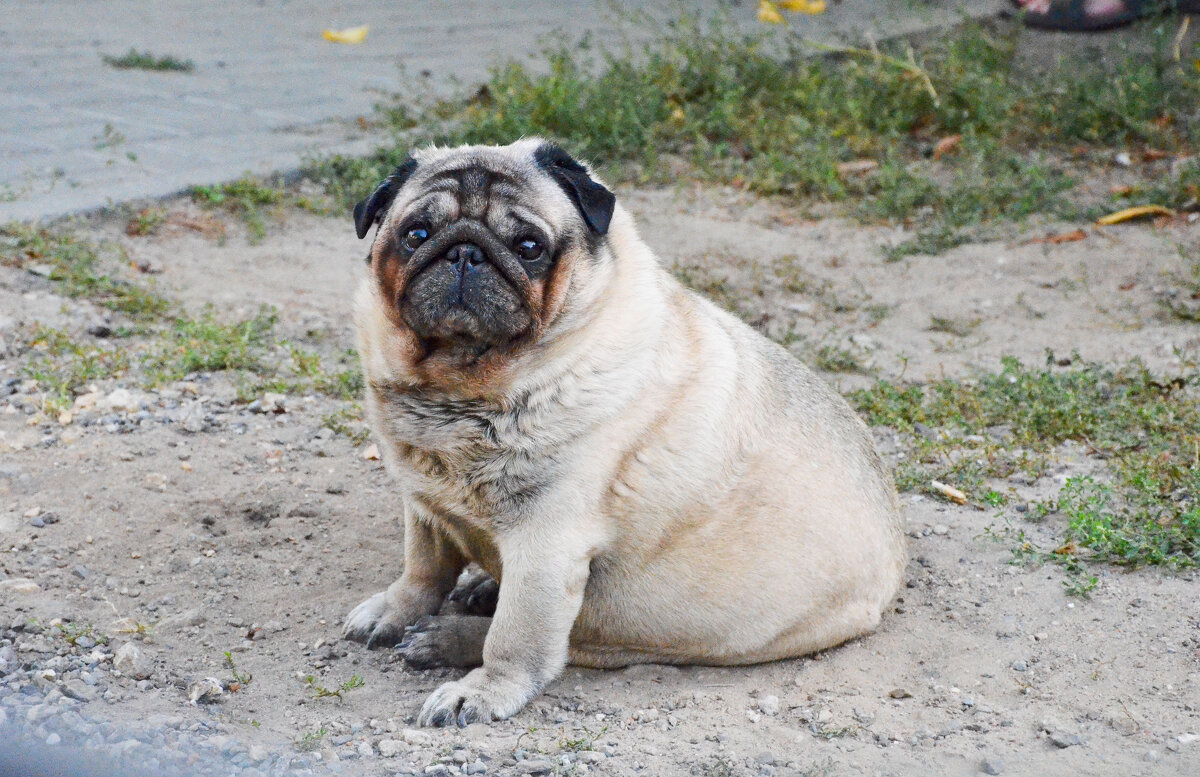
(267, 90)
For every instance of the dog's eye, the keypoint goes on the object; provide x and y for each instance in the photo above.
(415, 237)
(529, 249)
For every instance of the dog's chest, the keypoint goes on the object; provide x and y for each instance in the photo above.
(467, 458)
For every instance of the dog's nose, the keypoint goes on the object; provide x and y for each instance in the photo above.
(465, 254)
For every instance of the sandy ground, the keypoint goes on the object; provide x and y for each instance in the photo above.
(257, 532)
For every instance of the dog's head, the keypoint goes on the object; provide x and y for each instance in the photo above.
(476, 245)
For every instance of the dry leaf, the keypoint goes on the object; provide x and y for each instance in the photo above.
(803, 6)
(857, 167)
(1134, 213)
(1121, 191)
(950, 492)
(349, 35)
(1062, 237)
(946, 145)
(1154, 154)
(768, 13)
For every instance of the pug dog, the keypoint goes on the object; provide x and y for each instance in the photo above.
(639, 475)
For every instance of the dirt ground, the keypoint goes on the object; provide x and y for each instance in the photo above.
(256, 532)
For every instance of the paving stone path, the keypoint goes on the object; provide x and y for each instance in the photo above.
(77, 134)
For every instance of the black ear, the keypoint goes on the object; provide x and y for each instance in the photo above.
(595, 203)
(372, 209)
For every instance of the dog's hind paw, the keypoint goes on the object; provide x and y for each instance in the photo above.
(444, 640)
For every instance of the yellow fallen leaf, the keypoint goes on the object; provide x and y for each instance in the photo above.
(803, 6)
(350, 35)
(950, 492)
(768, 13)
(1134, 213)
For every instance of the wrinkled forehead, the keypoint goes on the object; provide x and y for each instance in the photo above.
(493, 185)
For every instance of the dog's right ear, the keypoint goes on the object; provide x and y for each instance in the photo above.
(374, 208)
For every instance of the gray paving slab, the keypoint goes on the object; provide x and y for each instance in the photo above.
(268, 91)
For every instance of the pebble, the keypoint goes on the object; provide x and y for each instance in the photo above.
(390, 748)
(765, 759)
(415, 737)
(534, 766)
(475, 767)
(1064, 740)
(1019, 665)
(769, 705)
(992, 766)
(131, 660)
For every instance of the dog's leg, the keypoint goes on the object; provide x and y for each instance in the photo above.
(431, 565)
(445, 640)
(526, 646)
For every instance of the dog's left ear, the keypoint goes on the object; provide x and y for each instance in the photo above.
(372, 209)
(595, 203)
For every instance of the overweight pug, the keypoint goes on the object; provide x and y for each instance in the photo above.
(647, 479)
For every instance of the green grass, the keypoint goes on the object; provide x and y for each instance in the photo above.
(321, 692)
(144, 60)
(159, 343)
(62, 366)
(205, 344)
(248, 198)
(737, 113)
(1146, 426)
(76, 265)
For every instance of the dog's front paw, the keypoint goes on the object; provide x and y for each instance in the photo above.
(376, 623)
(477, 698)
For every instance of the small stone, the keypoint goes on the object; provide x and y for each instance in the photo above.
(371, 452)
(418, 738)
(192, 417)
(130, 660)
(438, 770)
(1187, 739)
(899, 693)
(864, 717)
(19, 585)
(992, 766)
(765, 759)
(390, 748)
(769, 705)
(184, 619)
(646, 716)
(79, 690)
(534, 766)
(941, 529)
(1019, 665)
(475, 767)
(207, 690)
(53, 739)
(258, 753)
(1064, 740)
(81, 572)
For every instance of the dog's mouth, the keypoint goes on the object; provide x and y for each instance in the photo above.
(465, 287)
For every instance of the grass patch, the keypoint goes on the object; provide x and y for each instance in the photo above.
(1146, 426)
(75, 265)
(247, 198)
(63, 366)
(204, 344)
(960, 131)
(321, 692)
(144, 60)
